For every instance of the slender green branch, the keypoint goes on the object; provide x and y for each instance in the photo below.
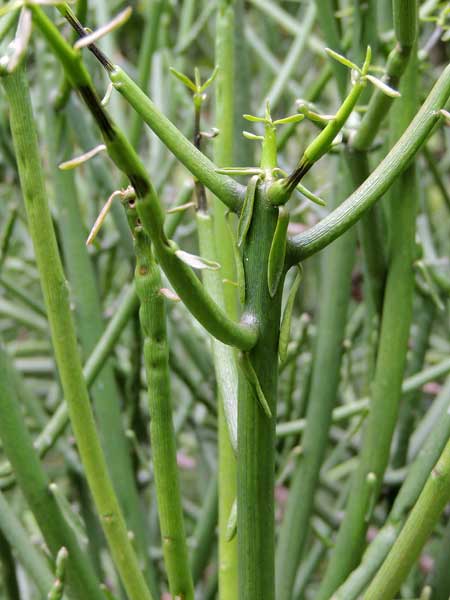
(412, 487)
(210, 232)
(63, 334)
(417, 529)
(18, 446)
(19, 539)
(88, 313)
(156, 352)
(243, 335)
(198, 164)
(390, 363)
(346, 215)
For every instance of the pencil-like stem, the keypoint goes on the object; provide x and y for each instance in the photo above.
(412, 487)
(63, 334)
(256, 431)
(347, 214)
(30, 559)
(336, 282)
(34, 483)
(390, 364)
(152, 316)
(88, 313)
(209, 233)
(417, 529)
(186, 284)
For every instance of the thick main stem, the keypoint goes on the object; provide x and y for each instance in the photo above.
(335, 292)
(256, 431)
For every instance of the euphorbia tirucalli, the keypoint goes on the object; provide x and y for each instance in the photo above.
(246, 253)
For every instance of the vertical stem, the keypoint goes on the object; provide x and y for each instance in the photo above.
(335, 290)
(204, 534)
(89, 319)
(27, 555)
(63, 334)
(391, 359)
(8, 570)
(33, 482)
(256, 431)
(415, 533)
(223, 156)
(152, 315)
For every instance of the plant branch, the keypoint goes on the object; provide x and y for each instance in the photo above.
(347, 214)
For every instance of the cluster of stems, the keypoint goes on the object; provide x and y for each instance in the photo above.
(248, 243)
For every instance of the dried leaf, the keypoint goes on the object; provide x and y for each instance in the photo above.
(197, 262)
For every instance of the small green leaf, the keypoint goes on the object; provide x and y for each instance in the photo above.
(198, 81)
(232, 523)
(267, 114)
(310, 195)
(209, 81)
(240, 274)
(383, 87)
(285, 329)
(197, 262)
(184, 79)
(342, 59)
(277, 254)
(253, 382)
(254, 119)
(247, 210)
(252, 136)
(367, 61)
(291, 119)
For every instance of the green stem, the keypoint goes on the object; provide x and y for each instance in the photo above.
(342, 218)
(152, 316)
(256, 431)
(210, 232)
(417, 529)
(18, 446)
(336, 282)
(19, 539)
(186, 284)
(412, 487)
(88, 315)
(63, 334)
(390, 364)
